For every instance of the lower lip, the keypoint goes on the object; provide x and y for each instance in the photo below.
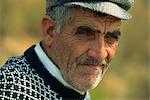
(93, 68)
(89, 65)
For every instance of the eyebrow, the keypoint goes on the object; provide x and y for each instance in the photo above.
(116, 32)
(94, 30)
(89, 28)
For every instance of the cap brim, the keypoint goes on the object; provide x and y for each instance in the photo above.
(104, 7)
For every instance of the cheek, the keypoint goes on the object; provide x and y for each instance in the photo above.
(78, 49)
(112, 50)
(65, 55)
(70, 68)
(60, 51)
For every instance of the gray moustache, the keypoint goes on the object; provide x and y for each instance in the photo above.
(92, 61)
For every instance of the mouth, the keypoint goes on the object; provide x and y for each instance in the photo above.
(95, 66)
(89, 65)
(92, 65)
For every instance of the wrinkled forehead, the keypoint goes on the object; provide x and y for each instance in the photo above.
(95, 21)
(76, 12)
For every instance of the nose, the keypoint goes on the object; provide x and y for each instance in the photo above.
(97, 49)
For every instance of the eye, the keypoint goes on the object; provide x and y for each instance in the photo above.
(112, 37)
(85, 32)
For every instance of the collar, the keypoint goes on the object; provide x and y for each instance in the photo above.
(52, 68)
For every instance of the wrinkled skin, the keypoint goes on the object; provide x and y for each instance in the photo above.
(85, 40)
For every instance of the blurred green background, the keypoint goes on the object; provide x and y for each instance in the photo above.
(127, 78)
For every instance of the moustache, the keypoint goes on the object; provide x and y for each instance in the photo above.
(92, 61)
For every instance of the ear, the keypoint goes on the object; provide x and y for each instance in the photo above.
(48, 28)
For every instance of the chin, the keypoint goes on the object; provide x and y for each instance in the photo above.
(95, 83)
(90, 83)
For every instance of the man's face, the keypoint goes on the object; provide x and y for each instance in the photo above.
(85, 47)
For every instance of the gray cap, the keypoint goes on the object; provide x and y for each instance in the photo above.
(117, 8)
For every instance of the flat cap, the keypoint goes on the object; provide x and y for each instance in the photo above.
(117, 8)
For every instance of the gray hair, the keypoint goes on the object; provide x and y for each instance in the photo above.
(60, 14)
